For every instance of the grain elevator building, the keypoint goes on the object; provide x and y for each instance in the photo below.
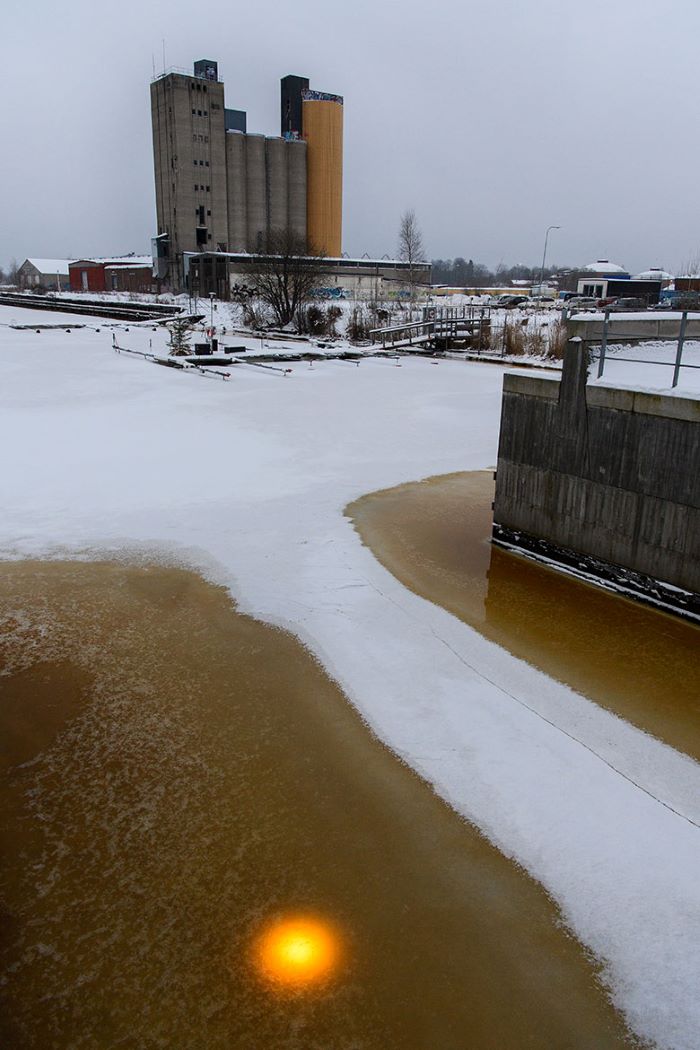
(221, 188)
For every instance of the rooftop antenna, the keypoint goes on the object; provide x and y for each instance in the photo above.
(163, 43)
(153, 63)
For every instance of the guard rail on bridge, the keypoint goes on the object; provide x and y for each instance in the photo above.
(439, 328)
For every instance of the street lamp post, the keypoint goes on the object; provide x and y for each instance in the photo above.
(544, 254)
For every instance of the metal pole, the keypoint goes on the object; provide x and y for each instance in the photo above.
(679, 351)
(604, 343)
(544, 253)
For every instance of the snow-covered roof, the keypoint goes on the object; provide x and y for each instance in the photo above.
(128, 260)
(132, 260)
(52, 266)
(340, 259)
(654, 274)
(119, 260)
(604, 266)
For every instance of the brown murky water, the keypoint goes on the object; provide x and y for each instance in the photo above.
(177, 777)
(434, 536)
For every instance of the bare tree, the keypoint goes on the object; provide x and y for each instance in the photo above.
(285, 277)
(691, 267)
(411, 248)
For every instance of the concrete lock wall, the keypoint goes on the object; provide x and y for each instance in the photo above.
(608, 473)
(622, 328)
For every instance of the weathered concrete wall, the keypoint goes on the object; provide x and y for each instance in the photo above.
(624, 328)
(613, 474)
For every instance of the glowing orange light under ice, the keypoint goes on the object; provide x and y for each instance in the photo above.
(297, 952)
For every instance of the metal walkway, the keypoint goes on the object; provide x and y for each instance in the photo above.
(439, 328)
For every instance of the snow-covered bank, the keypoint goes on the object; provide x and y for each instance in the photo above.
(650, 366)
(247, 480)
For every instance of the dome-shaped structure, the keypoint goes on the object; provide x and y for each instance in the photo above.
(655, 273)
(604, 268)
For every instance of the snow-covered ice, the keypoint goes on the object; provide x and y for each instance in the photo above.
(246, 481)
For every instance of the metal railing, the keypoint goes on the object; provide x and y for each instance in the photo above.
(449, 313)
(180, 71)
(445, 329)
(411, 332)
(677, 364)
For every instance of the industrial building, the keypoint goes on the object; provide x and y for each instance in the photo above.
(316, 117)
(122, 273)
(49, 274)
(220, 188)
(607, 280)
(219, 272)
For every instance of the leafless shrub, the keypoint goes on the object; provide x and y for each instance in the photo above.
(334, 315)
(315, 320)
(535, 340)
(514, 340)
(241, 294)
(380, 313)
(255, 316)
(556, 340)
(311, 320)
(359, 324)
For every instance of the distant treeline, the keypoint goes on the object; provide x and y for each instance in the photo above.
(465, 273)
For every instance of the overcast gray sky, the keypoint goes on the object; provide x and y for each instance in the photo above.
(491, 120)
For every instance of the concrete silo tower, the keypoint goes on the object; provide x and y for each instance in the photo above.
(317, 118)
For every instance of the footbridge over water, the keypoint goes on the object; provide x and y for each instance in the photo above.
(440, 328)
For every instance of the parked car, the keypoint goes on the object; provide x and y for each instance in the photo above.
(680, 301)
(581, 304)
(509, 302)
(626, 305)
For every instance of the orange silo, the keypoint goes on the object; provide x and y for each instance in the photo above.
(322, 122)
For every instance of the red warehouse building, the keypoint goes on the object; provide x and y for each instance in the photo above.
(128, 273)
